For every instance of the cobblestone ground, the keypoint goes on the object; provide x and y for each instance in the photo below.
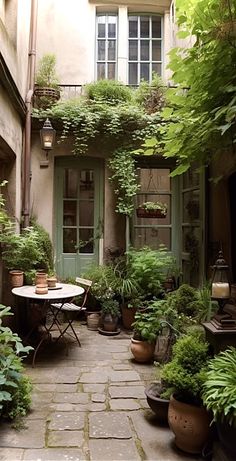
(89, 405)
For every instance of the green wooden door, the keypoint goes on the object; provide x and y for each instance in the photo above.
(78, 214)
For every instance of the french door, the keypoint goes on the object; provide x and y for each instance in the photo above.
(78, 214)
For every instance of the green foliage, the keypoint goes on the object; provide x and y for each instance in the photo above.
(203, 120)
(111, 306)
(45, 245)
(46, 74)
(104, 281)
(184, 299)
(122, 166)
(15, 387)
(108, 91)
(149, 269)
(154, 206)
(206, 307)
(186, 372)
(151, 96)
(219, 389)
(148, 324)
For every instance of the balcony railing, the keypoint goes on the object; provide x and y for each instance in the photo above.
(71, 91)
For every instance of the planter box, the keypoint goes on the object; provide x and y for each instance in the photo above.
(143, 213)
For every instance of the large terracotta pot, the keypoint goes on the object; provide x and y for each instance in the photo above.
(158, 405)
(142, 350)
(128, 314)
(190, 424)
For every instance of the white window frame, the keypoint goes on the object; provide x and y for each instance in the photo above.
(150, 40)
(106, 61)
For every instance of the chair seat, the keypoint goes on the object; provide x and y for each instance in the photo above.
(69, 307)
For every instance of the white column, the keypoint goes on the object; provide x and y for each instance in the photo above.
(167, 43)
(122, 45)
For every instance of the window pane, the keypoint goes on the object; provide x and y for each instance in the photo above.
(191, 178)
(154, 180)
(191, 206)
(86, 213)
(156, 27)
(70, 183)
(144, 50)
(101, 30)
(100, 70)
(133, 74)
(156, 50)
(133, 50)
(111, 27)
(111, 71)
(144, 72)
(69, 240)
(86, 242)
(133, 26)
(69, 212)
(144, 27)
(111, 50)
(101, 50)
(152, 237)
(156, 68)
(86, 184)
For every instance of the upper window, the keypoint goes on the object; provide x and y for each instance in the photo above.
(106, 46)
(145, 48)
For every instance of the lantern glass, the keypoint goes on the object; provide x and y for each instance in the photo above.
(220, 281)
(47, 135)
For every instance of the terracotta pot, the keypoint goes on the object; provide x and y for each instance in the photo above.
(109, 322)
(93, 320)
(158, 405)
(190, 424)
(40, 278)
(41, 289)
(128, 314)
(51, 281)
(16, 278)
(142, 350)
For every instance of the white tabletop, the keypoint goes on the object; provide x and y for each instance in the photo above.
(63, 291)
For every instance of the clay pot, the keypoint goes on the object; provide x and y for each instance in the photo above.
(109, 322)
(41, 289)
(40, 277)
(16, 278)
(128, 314)
(51, 281)
(142, 350)
(93, 320)
(158, 406)
(190, 424)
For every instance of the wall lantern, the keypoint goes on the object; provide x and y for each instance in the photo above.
(47, 136)
(220, 288)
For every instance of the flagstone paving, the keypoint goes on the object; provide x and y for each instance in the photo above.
(89, 405)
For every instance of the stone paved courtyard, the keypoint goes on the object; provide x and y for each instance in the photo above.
(89, 405)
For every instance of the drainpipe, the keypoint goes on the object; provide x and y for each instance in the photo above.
(28, 101)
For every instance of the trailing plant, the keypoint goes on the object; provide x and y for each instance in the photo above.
(15, 387)
(122, 166)
(111, 306)
(219, 394)
(151, 96)
(154, 206)
(186, 372)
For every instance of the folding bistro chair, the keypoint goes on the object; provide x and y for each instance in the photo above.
(70, 307)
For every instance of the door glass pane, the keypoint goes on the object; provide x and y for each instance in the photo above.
(152, 237)
(156, 27)
(133, 26)
(86, 241)
(191, 206)
(156, 68)
(144, 27)
(70, 183)
(101, 30)
(86, 213)
(69, 213)
(144, 50)
(154, 179)
(156, 50)
(69, 240)
(133, 50)
(111, 70)
(133, 74)
(191, 239)
(101, 50)
(111, 50)
(144, 72)
(86, 188)
(100, 70)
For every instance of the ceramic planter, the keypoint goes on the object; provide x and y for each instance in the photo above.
(190, 424)
(142, 350)
(144, 213)
(158, 405)
(109, 322)
(93, 320)
(16, 278)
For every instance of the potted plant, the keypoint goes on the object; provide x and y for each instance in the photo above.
(110, 315)
(152, 210)
(186, 374)
(47, 90)
(147, 326)
(158, 399)
(219, 396)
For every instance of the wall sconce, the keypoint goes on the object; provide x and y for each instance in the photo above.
(47, 137)
(220, 288)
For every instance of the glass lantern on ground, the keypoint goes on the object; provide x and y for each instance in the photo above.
(220, 287)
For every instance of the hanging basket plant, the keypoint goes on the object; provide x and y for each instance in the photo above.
(152, 210)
